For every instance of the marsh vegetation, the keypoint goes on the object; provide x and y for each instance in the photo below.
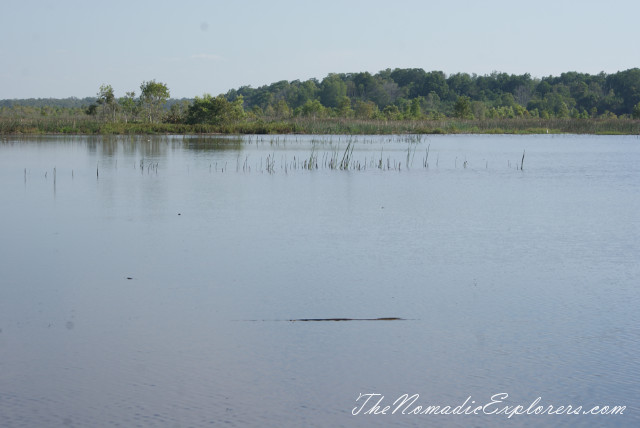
(395, 101)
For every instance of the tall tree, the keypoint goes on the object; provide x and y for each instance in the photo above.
(626, 85)
(107, 101)
(128, 105)
(435, 81)
(332, 90)
(153, 96)
(462, 108)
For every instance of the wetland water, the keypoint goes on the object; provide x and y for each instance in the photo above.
(152, 281)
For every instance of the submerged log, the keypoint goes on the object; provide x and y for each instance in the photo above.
(350, 319)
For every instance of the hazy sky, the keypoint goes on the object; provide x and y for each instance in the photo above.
(63, 48)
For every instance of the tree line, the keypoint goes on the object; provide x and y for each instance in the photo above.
(398, 94)
(411, 94)
(150, 107)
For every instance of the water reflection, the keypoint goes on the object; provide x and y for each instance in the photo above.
(214, 143)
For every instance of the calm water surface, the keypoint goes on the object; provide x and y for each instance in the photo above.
(151, 281)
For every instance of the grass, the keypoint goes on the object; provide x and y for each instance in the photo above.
(90, 126)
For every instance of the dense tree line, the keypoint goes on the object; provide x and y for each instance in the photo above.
(399, 94)
(417, 94)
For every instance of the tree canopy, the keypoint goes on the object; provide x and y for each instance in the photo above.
(395, 91)
(214, 110)
(153, 96)
(391, 94)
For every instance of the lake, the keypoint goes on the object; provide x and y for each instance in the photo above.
(179, 281)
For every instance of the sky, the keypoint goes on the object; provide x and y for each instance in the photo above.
(69, 48)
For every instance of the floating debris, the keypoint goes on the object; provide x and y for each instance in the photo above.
(328, 319)
(350, 319)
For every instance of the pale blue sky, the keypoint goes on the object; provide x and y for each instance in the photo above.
(63, 48)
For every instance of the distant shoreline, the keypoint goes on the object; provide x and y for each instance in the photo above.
(325, 126)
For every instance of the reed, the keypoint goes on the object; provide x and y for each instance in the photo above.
(346, 157)
(425, 163)
(83, 124)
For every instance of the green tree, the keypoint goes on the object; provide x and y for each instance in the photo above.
(543, 88)
(269, 111)
(302, 92)
(563, 111)
(506, 100)
(282, 110)
(263, 98)
(344, 107)
(460, 84)
(415, 111)
(128, 106)
(519, 111)
(432, 102)
(215, 110)
(636, 111)
(332, 90)
(411, 80)
(312, 109)
(178, 112)
(462, 108)
(479, 109)
(392, 112)
(92, 109)
(626, 85)
(153, 96)
(435, 81)
(107, 100)
(366, 109)
(256, 111)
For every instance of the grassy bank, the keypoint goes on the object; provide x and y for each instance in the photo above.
(88, 125)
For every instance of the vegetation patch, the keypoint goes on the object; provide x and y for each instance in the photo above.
(399, 101)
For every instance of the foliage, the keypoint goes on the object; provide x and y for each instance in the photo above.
(497, 94)
(153, 95)
(366, 110)
(77, 122)
(332, 90)
(178, 112)
(215, 110)
(462, 108)
(128, 106)
(398, 100)
(312, 108)
(107, 101)
(414, 111)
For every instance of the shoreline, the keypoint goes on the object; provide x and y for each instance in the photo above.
(310, 126)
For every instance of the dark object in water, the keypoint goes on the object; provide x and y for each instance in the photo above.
(351, 319)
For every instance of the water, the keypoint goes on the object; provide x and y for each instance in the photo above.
(150, 281)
